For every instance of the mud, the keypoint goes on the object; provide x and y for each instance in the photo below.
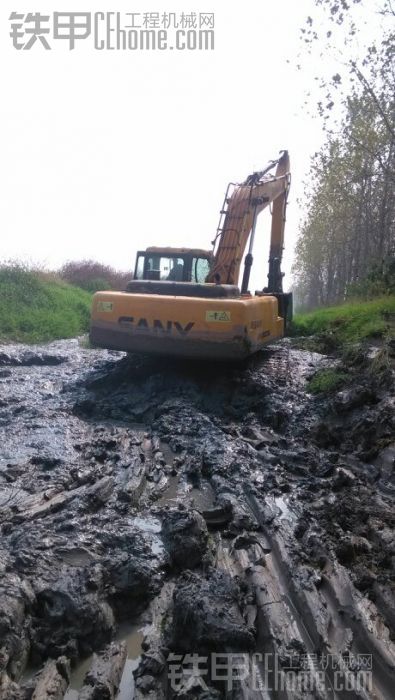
(219, 509)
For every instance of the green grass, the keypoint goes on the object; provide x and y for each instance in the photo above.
(348, 323)
(327, 380)
(38, 307)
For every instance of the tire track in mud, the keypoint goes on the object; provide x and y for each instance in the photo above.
(133, 488)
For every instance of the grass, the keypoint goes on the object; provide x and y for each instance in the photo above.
(345, 330)
(349, 323)
(327, 380)
(37, 307)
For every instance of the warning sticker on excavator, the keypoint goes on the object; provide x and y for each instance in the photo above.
(104, 305)
(218, 316)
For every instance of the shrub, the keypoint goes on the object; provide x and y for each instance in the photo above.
(93, 276)
(379, 281)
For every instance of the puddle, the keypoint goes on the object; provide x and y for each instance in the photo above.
(287, 511)
(171, 492)
(167, 452)
(177, 490)
(148, 524)
(203, 497)
(151, 526)
(76, 556)
(258, 478)
(77, 679)
(133, 636)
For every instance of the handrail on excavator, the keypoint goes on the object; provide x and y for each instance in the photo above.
(242, 208)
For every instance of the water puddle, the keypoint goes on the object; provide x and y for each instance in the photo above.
(178, 490)
(76, 556)
(203, 496)
(288, 512)
(133, 636)
(151, 526)
(134, 639)
(77, 678)
(167, 452)
(171, 492)
(148, 524)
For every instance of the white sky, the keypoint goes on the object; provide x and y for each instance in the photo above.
(104, 152)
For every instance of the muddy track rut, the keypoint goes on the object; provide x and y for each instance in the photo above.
(152, 510)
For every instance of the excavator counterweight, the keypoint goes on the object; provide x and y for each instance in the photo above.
(186, 302)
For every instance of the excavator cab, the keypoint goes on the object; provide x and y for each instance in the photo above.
(173, 264)
(187, 302)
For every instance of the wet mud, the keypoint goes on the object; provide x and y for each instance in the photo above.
(152, 510)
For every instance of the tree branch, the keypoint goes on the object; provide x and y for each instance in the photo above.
(385, 168)
(365, 83)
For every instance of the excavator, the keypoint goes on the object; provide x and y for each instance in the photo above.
(186, 302)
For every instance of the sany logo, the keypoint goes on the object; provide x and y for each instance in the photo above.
(142, 324)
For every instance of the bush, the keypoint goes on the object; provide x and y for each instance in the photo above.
(379, 281)
(97, 285)
(93, 276)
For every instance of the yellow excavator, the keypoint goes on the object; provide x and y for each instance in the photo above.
(186, 301)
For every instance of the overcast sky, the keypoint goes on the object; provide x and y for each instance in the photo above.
(104, 152)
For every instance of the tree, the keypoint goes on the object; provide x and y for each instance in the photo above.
(350, 217)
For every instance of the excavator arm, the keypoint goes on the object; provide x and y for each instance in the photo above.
(243, 207)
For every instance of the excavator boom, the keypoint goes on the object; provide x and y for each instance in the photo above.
(243, 207)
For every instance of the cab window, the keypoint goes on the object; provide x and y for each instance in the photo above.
(139, 274)
(159, 267)
(200, 269)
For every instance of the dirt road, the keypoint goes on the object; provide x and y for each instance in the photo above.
(190, 511)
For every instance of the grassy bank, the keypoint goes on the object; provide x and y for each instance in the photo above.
(349, 323)
(35, 307)
(345, 331)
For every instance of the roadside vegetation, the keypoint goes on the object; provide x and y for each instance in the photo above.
(36, 306)
(327, 380)
(360, 335)
(344, 268)
(346, 242)
(352, 322)
(93, 276)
